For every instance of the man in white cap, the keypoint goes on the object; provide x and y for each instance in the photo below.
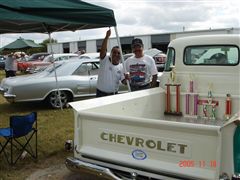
(141, 69)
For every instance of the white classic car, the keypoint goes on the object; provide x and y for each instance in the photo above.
(75, 78)
(188, 128)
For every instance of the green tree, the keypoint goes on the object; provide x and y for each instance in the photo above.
(46, 42)
(43, 48)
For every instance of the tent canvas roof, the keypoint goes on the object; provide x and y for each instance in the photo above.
(26, 16)
(21, 44)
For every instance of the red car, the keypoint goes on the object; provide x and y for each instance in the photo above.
(160, 60)
(158, 56)
(37, 66)
(23, 65)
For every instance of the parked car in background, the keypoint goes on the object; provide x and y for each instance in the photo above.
(2, 62)
(157, 55)
(90, 56)
(76, 78)
(23, 65)
(41, 65)
(125, 56)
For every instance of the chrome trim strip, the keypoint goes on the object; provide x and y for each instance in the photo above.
(83, 167)
(9, 96)
(90, 167)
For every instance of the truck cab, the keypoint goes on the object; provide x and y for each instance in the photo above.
(187, 128)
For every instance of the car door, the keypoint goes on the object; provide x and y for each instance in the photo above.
(82, 85)
(93, 76)
(87, 73)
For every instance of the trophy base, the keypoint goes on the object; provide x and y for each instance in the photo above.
(173, 113)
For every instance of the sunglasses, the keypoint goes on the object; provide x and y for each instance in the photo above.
(137, 46)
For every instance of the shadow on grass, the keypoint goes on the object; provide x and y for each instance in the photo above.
(23, 107)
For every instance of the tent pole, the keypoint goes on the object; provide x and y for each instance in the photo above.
(122, 59)
(55, 73)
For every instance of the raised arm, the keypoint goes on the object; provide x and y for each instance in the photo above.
(103, 50)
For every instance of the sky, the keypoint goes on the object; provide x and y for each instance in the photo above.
(138, 17)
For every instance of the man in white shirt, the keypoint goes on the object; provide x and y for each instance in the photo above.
(141, 69)
(110, 71)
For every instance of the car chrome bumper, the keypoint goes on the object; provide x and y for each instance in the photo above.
(115, 173)
(2, 90)
(9, 97)
(160, 65)
(83, 167)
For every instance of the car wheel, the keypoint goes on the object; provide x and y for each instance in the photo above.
(53, 99)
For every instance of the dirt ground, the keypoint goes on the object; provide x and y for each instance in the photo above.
(58, 172)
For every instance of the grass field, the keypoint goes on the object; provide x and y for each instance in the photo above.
(54, 128)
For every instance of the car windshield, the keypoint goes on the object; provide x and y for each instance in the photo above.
(48, 58)
(35, 57)
(88, 57)
(62, 69)
(50, 68)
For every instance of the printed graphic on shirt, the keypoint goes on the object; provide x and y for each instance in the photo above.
(137, 74)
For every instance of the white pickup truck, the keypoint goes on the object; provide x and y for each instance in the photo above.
(188, 128)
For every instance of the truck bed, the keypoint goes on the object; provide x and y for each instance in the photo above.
(133, 131)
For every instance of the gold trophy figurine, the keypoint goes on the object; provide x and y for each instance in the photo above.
(210, 97)
(173, 74)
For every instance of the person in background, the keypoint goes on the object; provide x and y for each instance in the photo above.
(141, 69)
(11, 65)
(82, 52)
(219, 59)
(109, 75)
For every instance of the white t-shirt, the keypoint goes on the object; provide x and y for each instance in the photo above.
(141, 70)
(109, 76)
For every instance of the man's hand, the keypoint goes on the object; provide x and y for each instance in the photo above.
(104, 45)
(127, 78)
(237, 123)
(108, 33)
(154, 81)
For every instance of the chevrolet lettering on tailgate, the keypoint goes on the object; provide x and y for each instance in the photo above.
(164, 145)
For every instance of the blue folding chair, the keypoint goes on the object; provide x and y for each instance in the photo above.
(19, 136)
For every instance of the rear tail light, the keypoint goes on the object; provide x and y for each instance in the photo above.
(160, 59)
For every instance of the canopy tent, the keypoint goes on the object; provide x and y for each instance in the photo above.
(28, 16)
(21, 44)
